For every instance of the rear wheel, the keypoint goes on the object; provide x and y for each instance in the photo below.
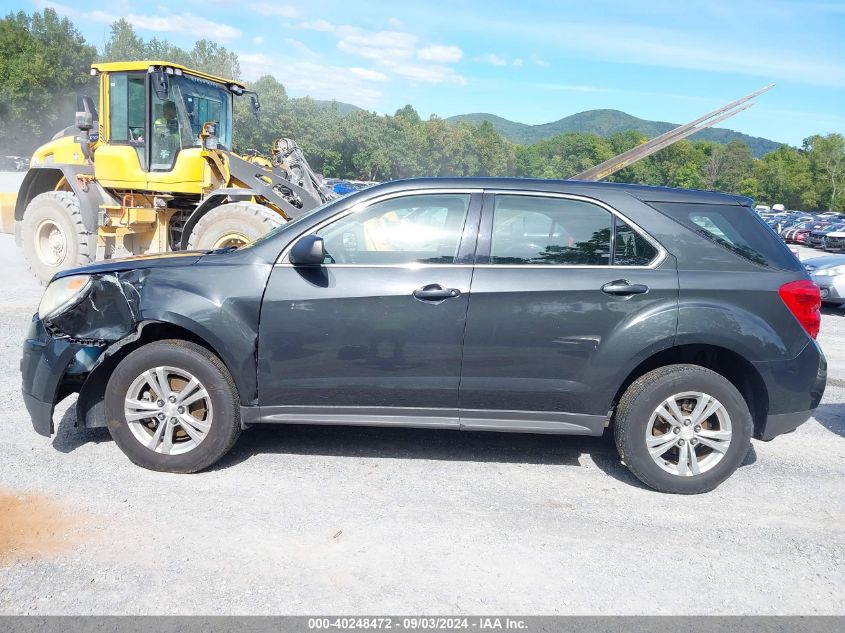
(172, 406)
(233, 224)
(53, 234)
(682, 429)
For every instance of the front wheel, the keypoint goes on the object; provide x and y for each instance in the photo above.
(53, 234)
(172, 406)
(682, 429)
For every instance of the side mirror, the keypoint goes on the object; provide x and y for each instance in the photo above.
(256, 106)
(309, 250)
(84, 121)
(161, 84)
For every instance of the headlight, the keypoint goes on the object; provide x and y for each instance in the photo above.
(63, 294)
(829, 272)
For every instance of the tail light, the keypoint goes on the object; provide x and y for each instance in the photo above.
(804, 300)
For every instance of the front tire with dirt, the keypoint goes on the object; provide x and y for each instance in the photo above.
(53, 235)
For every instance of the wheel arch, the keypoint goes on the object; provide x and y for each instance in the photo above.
(740, 372)
(36, 182)
(90, 409)
(40, 180)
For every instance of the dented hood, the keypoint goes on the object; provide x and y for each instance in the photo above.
(185, 258)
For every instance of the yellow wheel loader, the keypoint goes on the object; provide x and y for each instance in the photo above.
(152, 170)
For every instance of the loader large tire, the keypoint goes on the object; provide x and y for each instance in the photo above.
(233, 224)
(53, 235)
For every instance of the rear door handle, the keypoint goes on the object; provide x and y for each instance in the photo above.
(622, 288)
(435, 292)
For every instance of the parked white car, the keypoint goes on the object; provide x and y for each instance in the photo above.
(828, 273)
(835, 241)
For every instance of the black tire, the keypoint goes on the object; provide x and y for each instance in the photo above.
(643, 397)
(245, 219)
(59, 209)
(225, 425)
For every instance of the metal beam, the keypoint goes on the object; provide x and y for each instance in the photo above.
(627, 158)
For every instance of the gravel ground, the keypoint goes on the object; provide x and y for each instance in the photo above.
(300, 520)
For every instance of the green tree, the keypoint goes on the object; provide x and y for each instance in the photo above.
(214, 59)
(123, 44)
(44, 64)
(259, 134)
(785, 177)
(827, 157)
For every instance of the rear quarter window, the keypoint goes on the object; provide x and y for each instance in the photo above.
(736, 228)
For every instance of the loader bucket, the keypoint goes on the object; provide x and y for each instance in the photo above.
(7, 212)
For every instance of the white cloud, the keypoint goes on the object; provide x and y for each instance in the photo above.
(318, 25)
(575, 88)
(368, 74)
(689, 48)
(315, 80)
(384, 46)
(396, 23)
(440, 54)
(517, 62)
(273, 9)
(258, 39)
(433, 74)
(301, 49)
(394, 52)
(492, 58)
(539, 61)
(183, 23)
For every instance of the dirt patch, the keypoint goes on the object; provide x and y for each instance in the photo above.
(32, 526)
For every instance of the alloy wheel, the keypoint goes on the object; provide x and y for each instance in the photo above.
(168, 410)
(688, 433)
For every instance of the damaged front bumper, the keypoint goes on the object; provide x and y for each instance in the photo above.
(51, 369)
(60, 352)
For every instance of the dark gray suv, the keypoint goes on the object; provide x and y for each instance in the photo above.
(675, 318)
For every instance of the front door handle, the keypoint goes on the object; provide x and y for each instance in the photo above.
(435, 292)
(622, 288)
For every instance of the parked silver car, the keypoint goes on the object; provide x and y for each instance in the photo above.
(828, 273)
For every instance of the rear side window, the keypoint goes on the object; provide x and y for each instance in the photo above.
(631, 248)
(739, 229)
(540, 230)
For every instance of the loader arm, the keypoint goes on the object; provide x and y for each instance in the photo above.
(627, 158)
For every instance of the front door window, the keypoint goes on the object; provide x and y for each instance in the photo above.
(420, 229)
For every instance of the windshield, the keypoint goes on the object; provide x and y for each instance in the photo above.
(200, 101)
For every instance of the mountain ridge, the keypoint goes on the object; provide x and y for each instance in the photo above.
(606, 122)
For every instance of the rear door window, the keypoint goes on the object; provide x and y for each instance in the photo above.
(540, 230)
(547, 230)
(736, 228)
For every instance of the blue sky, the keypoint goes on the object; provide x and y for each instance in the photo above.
(532, 62)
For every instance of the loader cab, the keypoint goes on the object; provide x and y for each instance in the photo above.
(152, 114)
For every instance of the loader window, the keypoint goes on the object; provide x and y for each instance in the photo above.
(127, 111)
(126, 108)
